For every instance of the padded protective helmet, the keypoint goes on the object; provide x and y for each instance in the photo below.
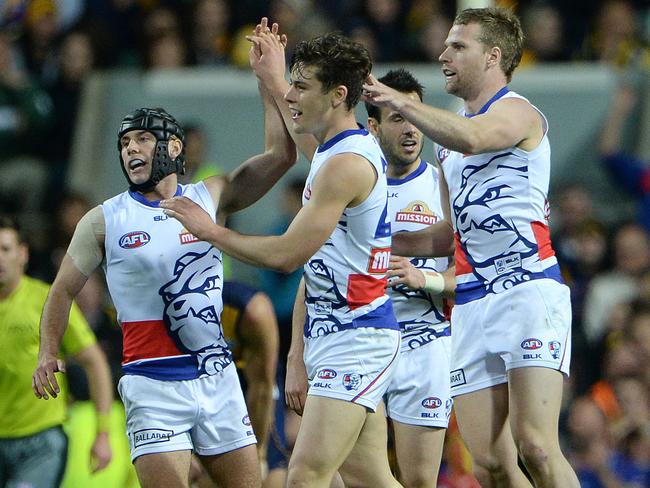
(162, 126)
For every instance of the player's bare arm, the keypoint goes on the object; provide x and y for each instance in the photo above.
(93, 361)
(296, 384)
(270, 70)
(310, 228)
(84, 254)
(508, 122)
(255, 177)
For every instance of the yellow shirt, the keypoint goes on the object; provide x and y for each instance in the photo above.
(21, 413)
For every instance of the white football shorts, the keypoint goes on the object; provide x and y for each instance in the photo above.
(528, 325)
(207, 415)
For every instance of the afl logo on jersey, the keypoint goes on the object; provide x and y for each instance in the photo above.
(531, 344)
(326, 374)
(431, 402)
(443, 153)
(134, 239)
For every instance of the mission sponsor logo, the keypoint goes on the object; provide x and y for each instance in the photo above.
(417, 212)
(151, 436)
(131, 240)
(379, 260)
(186, 237)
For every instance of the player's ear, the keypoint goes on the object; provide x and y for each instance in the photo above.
(175, 147)
(493, 57)
(339, 95)
(373, 126)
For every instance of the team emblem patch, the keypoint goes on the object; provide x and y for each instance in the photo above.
(351, 381)
(555, 347)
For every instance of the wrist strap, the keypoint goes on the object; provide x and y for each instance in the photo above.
(433, 282)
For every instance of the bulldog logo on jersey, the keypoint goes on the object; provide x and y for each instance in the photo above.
(417, 212)
(190, 313)
(554, 348)
(351, 381)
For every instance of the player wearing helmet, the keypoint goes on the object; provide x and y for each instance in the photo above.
(180, 387)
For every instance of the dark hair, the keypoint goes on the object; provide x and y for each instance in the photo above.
(7, 222)
(338, 61)
(500, 28)
(401, 80)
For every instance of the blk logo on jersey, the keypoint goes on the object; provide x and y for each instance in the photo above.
(134, 239)
(379, 260)
(326, 374)
(186, 237)
(431, 402)
(531, 344)
(351, 381)
(417, 212)
(555, 347)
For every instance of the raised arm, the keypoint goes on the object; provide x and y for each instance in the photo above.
(509, 122)
(84, 254)
(252, 179)
(259, 329)
(310, 228)
(270, 70)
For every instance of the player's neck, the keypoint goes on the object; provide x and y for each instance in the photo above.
(338, 125)
(399, 172)
(166, 188)
(476, 102)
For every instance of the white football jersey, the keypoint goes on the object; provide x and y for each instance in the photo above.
(166, 286)
(414, 204)
(500, 210)
(345, 280)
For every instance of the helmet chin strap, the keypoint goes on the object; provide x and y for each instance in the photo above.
(163, 167)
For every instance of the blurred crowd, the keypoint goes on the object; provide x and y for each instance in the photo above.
(48, 48)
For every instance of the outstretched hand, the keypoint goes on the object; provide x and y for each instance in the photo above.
(195, 220)
(266, 56)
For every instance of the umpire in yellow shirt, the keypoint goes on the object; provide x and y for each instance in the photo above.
(33, 446)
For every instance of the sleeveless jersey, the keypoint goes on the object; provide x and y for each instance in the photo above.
(166, 287)
(345, 280)
(500, 211)
(414, 204)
